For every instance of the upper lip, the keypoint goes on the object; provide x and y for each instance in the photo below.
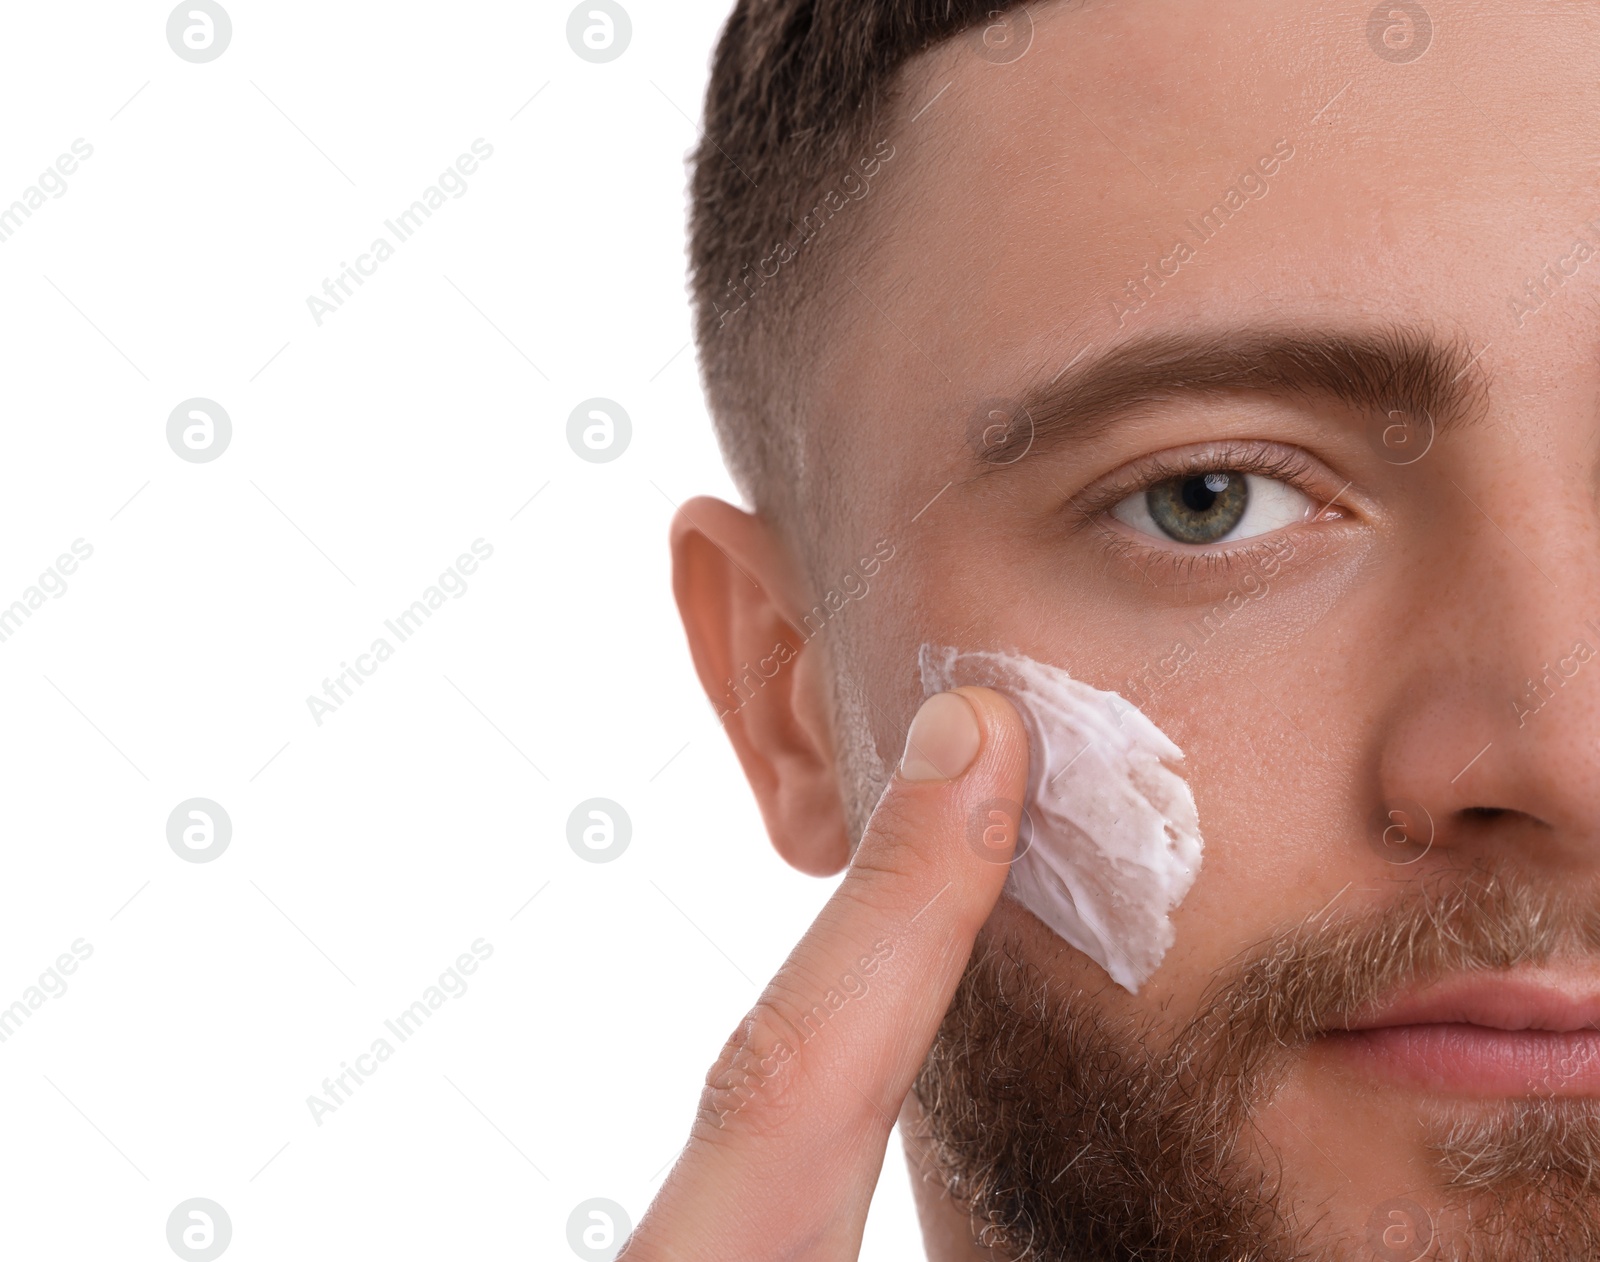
(1534, 1001)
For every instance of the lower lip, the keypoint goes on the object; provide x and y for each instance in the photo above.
(1477, 1060)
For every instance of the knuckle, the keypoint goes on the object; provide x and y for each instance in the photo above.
(750, 1088)
(895, 846)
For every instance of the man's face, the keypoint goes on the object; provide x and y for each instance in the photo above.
(1401, 620)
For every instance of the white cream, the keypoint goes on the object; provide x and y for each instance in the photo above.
(1115, 840)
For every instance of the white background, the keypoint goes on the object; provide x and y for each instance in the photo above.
(369, 851)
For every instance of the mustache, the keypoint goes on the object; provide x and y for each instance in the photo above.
(1326, 971)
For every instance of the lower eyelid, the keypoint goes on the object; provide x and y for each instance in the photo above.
(1201, 570)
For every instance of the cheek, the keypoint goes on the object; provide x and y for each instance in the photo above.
(1279, 837)
(1162, 1005)
(1274, 710)
(1283, 826)
(1019, 930)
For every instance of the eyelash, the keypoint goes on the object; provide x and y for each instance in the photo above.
(1090, 508)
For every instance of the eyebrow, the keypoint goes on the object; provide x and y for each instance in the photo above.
(1382, 370)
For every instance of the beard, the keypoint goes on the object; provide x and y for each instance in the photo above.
(1073, 1136)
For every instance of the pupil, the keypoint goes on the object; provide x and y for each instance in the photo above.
(1198, 494)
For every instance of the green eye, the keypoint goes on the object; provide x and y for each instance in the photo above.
(1212, 506)
(1203, 508)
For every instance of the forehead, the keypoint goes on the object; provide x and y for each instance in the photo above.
(1147, 166)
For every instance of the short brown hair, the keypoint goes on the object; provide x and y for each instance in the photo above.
(797, 89)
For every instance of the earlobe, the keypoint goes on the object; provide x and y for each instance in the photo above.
(769, 689)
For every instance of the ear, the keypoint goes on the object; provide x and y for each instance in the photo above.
(733, 581)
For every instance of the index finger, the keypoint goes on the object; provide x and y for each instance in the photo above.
(792, 1126)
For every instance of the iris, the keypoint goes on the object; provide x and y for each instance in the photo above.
(1199, 508)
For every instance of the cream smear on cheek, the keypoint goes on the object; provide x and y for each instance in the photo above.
(1115, 838)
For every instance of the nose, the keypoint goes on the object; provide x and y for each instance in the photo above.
(1491, 740)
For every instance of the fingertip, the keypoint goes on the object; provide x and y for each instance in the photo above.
(1005, 737)
(943, 740)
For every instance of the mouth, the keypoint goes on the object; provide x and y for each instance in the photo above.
(1484, 1034)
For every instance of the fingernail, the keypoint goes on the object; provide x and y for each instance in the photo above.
(943, 739)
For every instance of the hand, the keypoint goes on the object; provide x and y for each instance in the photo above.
(791, 1131)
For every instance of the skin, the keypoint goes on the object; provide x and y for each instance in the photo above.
(1382, 662)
